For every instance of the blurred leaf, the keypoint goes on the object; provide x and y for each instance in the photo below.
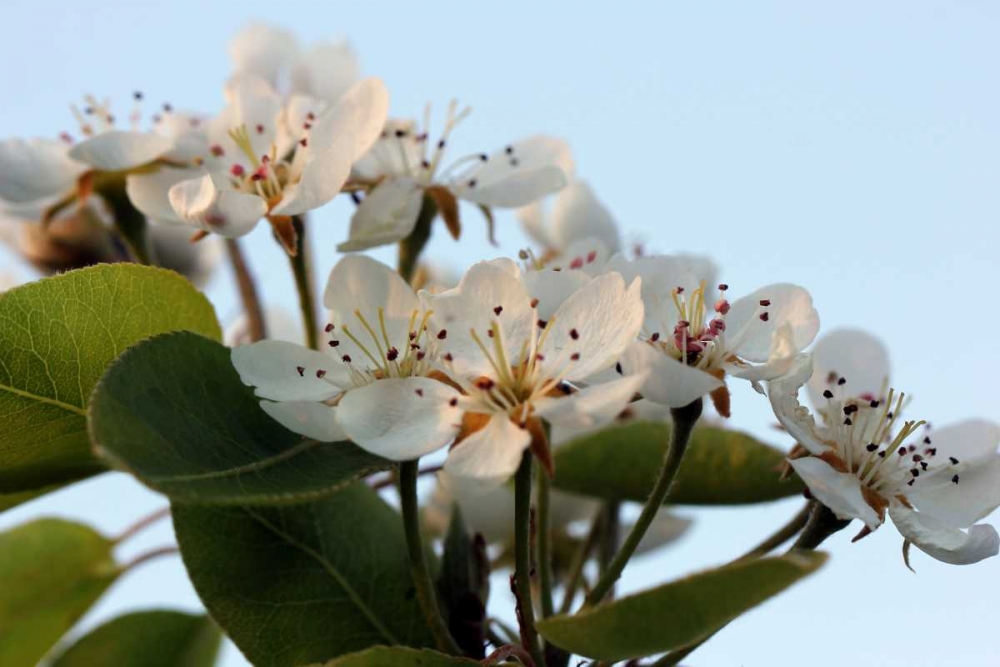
(464, 585)
(721, 467)
(306, 583)
(11, 500)
(385, 656)
(147, 639)
(679, 613)
(173, 412)
(51, 571)
(56, 338)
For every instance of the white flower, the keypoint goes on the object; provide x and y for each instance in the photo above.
(692, 340)
(377, 353)
(405, 164)
(578, 233)
(266, 159)
(508, 369)
(863, 461)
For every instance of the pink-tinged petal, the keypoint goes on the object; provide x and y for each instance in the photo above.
(588, 255)
(36, 169)
(783, 393)
(282, 371)
(593, 327)
(552, 288)
(590, 407)
(401, 418)
(326, 70)
(854, 355)
(750, 335)
(490, 455)
(263, 50)
(945, 543)
(579, 214)
(669, 382)
(839, 491)
(309, 418)
(150, 193)
(118, 150)
(210, 203)
(387, 214)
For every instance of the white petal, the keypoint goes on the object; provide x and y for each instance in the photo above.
(387, 214)
(490, 455)
(855, 355)
(579, 214)
(326, 70)
(552, 288)
(117, 150)
(359, 282)
(976, 494)
(323, 175)
(487, 512)
(254, 106)
(280, 326)
(532, 218)
(356, 121)
(272, 366)
(263, 50)
(210, 203)
(590, 407)
(789, 305)
(946, 544)
(589, 255)
(36, 169)
(518, 174)
(669, 382)
(969, 441)
(840, 491)
(401, 418)
(795, 417)
(597, 323)
(150, 193)
(780, 360)
(309, 418)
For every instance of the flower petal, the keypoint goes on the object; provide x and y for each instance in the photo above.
(590, 407)
(490, 455)
(322, 176)
(118, 150)
(669, 382)
(254, 106)
(783, 393)
(387, 214)
(209, 203)
(579, 214)
(959, 504)
(36, 169)
(855, 355)
(489, 513)
(751, 337)
(840, 491)
(326, 70)
(356, 121)
(552, 288)
(946, 544)
(263, 50)
(272, 366)
(150, 193)
(401, 418)
(309, 418)
(518, 174)
(359, 282)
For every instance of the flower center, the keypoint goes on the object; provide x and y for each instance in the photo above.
(95, 116)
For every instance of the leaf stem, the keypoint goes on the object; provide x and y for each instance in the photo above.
(303, 283)
(684, 420)
(522, 559)
(426, 597)
(148, 556)
(780, 536)
(247, 287)
(142, 524)
(544, 541)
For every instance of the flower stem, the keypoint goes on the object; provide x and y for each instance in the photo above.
(426, 597)
(684, 420)
(780, 536)
(544, 539)
(608, 539)
(579, 562)
(522, 559)
(822, 524)
(148, 556)
(248, 291)
(303, 283)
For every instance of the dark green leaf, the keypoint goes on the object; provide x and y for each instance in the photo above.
(679, 613)
(147, 639)
(174, 412)
(9, 500)
(721, 467)
(464, 585)
(51, 572)
(305, 583)
(57, 336)
(400, 657)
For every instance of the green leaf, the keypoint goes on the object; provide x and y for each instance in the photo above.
(721, 467)
(147, 639)
(11, 500)
(52, 572)
(173, 412)
(679, 613)
(305, 583)
(385, 656)
(57, 336)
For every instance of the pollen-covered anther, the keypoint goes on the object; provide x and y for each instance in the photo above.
(392, 354)
(321, 373)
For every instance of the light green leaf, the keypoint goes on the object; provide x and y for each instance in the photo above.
(305, 583)
(51, 571)
(152, 638)
(57, 336)
(173, 412)
(679, 613)
(721, 466)
(385, 656)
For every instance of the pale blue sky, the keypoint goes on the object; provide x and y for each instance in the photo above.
(853, 148)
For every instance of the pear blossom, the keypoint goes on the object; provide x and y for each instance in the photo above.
(405, 164)
(504, 370)
(863, 461)
(266, 159)
(377, 346)
(692, 340)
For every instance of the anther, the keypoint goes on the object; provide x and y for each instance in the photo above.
(765, 302)
(301, 370)
(574, 334)
(472, 182)
(334, 343)
(841, 382)
(955, 479)
(259, 128)
(346, 358)
(655, 337)
(442, 334)
(723, 287)
(217, 150)
(392, 354)
(328, 328)
(320, 373)
(453, 402)
(871, 447)
(764, 317)
(498, 310)
(575, 356)
(953, 460)
(418, 392)
(534, 303)
(827, 393)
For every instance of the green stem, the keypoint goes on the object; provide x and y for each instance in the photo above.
(522, 560)
(426, 597)
(822, 524)
(411, 247)
(303, 284)
(544, 537)
(248, 291)
(609, 538)
(684, 420)
(130, 224)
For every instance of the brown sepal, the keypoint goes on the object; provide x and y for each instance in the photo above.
(720, 399)
(198, 235)
(284, 231)
(865, 532)
(834, 461)
(447, 207)
(540, 445)
(877, 502)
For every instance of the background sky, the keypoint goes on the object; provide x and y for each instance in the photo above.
(854, 149)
